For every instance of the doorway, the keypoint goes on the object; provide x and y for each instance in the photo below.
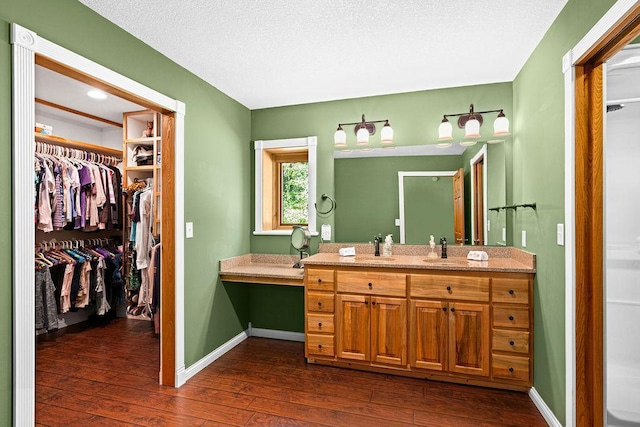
(28, 48)
(478, 164)
(585, 77)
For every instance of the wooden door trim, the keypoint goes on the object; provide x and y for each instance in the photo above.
(589, 214)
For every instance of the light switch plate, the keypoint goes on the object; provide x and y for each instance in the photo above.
(397, 222)
(560, 234)
(188, 230)
(524, 238)
(504, 234)
(488, 225)
(325, 231)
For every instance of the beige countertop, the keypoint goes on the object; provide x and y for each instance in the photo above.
(278, 269)
(263, 269)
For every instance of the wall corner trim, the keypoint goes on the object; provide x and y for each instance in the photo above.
(215, 355)
(546, 412)
(24, 38)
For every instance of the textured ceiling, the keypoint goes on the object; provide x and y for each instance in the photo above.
(285, 52)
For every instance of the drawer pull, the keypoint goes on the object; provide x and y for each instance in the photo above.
(319, 280)
(510, 317)
(449, 288)
(320, 326)
(319, 303)
(320, 347)
(511, 291)
(511, 343)
(370, 285)
(510, 369)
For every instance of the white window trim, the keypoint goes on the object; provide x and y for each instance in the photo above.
(481, 154)
(311, 143)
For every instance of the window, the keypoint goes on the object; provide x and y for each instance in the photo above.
(285, 185)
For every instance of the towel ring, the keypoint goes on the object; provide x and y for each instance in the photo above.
(333, 204)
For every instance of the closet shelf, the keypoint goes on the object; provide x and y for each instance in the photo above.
(148, 140)
(69, 143)
(140, 168)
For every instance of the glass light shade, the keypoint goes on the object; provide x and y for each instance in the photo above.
(501, 126)
(362, 137)
(386, 135)
(468, 143)
(444, 144)
(472, 129)
(340, 138)
(445, 131)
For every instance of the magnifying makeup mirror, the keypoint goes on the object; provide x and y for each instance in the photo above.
(300, 241)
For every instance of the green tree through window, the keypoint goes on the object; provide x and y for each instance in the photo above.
(295, 192)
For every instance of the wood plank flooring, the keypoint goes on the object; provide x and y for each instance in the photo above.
(108, 376)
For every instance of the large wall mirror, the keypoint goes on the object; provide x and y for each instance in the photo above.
(367, 191)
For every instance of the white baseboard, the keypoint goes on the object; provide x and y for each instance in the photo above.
(214, 355)
(546, 412)
(275, 334)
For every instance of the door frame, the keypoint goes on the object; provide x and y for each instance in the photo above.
(480, 155)
(26, 44)
(584, 254)
(401, 177)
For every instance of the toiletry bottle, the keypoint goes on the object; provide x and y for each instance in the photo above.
(443, 242)
(388, 241)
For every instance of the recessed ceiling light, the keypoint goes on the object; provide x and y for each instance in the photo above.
(97, 94)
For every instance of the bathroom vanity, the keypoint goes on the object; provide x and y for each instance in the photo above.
(448, 319)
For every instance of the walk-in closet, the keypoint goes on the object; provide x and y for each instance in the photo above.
(97, 219)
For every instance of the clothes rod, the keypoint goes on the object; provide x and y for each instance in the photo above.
(515, 207)
(623, 101)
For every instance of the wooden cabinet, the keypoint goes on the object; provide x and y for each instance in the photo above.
(461, 326)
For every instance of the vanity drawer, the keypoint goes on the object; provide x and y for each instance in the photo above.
(508, 340)
(320, 280)
(510, 367)
(359, 282)
(449, 287)
(511, 317)
(318, 302)
(320, 345)
(514, 291)
(320, 323)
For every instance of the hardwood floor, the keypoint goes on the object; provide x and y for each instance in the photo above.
(108, 376)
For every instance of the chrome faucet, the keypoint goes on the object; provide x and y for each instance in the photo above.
(376, 242)
(443, 242)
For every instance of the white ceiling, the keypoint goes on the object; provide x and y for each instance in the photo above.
(286, 52)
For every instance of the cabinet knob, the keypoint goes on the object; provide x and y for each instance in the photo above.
(453, 309)
(373, 303)
(511, 291)
(366, 303)
(319, 303)
(511, 343)
(370, 285)
(449, 288)
(510, 369)
(320, 346)
(510, 317)
(320, 326)
(444, 308)
(319, 280)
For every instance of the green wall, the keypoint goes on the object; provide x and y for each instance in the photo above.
(366, 193)
(217, 186)
(538, 176)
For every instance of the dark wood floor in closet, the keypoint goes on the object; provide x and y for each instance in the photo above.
(107, 376)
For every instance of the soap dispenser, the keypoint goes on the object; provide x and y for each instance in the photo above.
(443, 242)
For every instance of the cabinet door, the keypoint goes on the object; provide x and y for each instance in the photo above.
(429, 325)
(389, 331)
(469, 338)
(353, 318)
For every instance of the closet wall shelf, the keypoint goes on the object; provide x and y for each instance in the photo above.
(141, 168)
(147, 141)
(69, 143)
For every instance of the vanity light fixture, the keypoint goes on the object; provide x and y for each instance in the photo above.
(363, 130)
(471, 123)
